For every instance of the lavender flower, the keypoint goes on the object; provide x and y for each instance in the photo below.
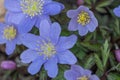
(83, 20)
(117, 54)
(48, 49)
(28, 13)
(78, 73)
(8, 65)
(11, 35)
(117, 11)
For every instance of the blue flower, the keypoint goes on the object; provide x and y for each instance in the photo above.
(48, 49)
(117, 11)
(28, 13)
(11, 35)
(83, 20)
(78, 73)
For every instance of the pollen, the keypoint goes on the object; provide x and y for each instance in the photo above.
(83, 18)
(47, 49)
(9, 33)
(32, 7)
(83, 78)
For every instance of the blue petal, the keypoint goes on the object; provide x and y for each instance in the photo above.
(94, 77)
(44, 29)
(66, 57)
(15, 18)
(36, 65)
(51, 67)
(72, 13)
(66, 43)
(27, 24)
(87, 72)
(55, 32)
(78, 69)
(117, 11)
(53, 8)
(83, 8)
(47, 1)
(83, 30)
(12, 5)
(71, 75)
(28, 55)
(92, 25)
(31, 41)
(73, 25)
(10, 47)
(19, 36)
(2, 40)
(40, 18)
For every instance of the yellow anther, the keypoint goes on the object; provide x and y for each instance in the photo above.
(83, 78)
(9, 33)
(32, 7)
(47, 49)
(83, 18)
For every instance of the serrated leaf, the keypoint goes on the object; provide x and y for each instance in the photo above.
(80, 55)
(90, 61)
(113, 76)
(93, 47)
(105, 52)
(98, 62)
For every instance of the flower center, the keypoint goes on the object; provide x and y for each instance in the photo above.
(48, 49)
(32, 7)
(83, 18)
(83, 78)
(9, 33)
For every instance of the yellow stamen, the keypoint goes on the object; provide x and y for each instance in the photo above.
(83, 78)
(83, 18)
(48, 49)
(9, 33)
(32, 7)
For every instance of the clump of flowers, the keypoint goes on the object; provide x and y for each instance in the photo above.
(83, 20)
(45, 44)
(48, 49)
(78, 73)
(28, 13)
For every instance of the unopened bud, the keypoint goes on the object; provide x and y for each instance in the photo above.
(117, 54)
(8, 65)
(80, 2)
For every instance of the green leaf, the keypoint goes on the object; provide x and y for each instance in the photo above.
(93, 47)
(99, 62)
(115, 68)
(88, 2)
(102, 10)
(105, 52)
(105, 3)
(90, 61)
(113, 76)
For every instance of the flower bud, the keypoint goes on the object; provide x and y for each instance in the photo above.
(117, 54)
(8, 65)
(80, 2)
